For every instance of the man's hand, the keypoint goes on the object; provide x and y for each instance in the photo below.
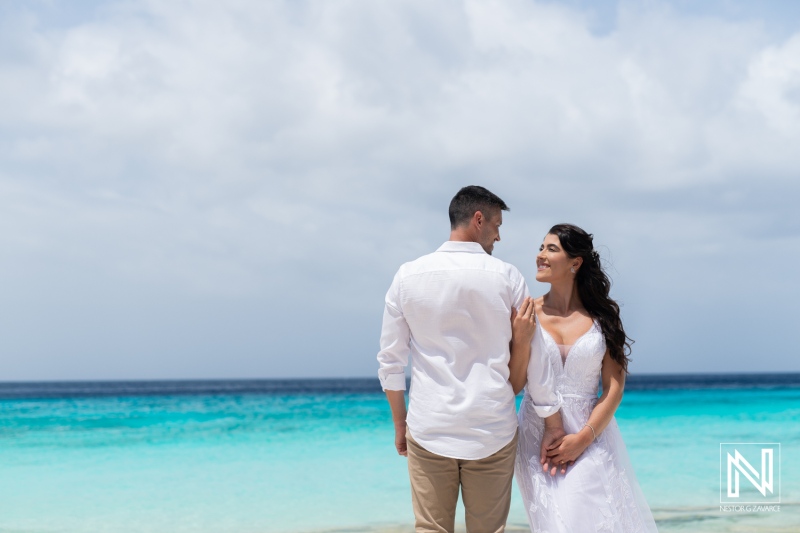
(553, 435)
(397, 402)
(551, 439)
(400, 438)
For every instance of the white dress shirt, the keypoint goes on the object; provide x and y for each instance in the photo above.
(451, 312)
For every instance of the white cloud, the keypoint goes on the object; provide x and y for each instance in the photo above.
(295, 153)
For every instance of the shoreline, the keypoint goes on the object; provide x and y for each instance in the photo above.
(668, 520)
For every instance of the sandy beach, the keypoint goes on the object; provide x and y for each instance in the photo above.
(686, 520)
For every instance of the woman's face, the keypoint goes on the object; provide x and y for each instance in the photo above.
(553, 264)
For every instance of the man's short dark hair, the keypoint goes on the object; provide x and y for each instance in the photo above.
(471, 199)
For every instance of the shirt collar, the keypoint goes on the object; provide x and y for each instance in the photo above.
(461, 246)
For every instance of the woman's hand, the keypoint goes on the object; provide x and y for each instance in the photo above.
(523, 325)
(569, 448)
(523, 322)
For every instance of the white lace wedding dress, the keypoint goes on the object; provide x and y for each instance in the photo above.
(599, 493)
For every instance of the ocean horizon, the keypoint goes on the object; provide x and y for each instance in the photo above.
(316, 455)
(115, 387)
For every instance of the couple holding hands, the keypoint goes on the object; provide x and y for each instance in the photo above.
(475, 338)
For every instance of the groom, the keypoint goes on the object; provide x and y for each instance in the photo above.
(450, 311)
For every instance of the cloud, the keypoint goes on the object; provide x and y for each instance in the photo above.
(250, 174)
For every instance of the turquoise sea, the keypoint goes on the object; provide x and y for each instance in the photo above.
(318, 455)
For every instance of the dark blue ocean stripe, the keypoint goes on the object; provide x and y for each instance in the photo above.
(78, 389)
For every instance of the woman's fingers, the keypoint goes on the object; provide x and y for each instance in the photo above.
(563, 457)
(559, 460)
(527, 309)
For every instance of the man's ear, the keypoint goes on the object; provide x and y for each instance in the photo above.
(478, 219)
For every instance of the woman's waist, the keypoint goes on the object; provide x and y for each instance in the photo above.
(574, 402)
(570, 387)
(575, 411)
(579, 395)
(573, 394)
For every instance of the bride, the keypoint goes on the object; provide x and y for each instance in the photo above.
(577, 328)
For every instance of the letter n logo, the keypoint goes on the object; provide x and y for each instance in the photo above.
(748, 469)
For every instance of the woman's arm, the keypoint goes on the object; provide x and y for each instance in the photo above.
(572, 446)
(523, 325)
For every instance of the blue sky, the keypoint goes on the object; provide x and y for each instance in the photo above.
(196, 189)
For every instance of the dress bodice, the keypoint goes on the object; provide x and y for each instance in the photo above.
(579, 373)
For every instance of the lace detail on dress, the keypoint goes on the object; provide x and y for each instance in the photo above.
(599, 492)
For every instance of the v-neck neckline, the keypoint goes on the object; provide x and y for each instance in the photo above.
(571, 347)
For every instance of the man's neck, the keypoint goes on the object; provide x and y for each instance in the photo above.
(463, 235)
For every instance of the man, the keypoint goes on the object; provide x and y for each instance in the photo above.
(450, 311)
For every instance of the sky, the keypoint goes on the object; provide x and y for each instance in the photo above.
(198, 189)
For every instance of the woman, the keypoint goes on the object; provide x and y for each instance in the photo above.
(577, 328)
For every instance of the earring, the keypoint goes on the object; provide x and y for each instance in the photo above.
(572, 270)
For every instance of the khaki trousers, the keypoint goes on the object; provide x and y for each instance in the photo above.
(485, 488)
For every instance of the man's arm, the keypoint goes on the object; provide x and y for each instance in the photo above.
(553, 434)
(393, 358)
(397, 401)
(540, 373)
(541, 383)
(542, 387)
(546, 402)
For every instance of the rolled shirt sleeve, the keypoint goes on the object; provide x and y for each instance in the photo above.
(395, 338)
(542, 386)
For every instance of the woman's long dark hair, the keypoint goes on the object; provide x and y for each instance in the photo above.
(593, 288)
